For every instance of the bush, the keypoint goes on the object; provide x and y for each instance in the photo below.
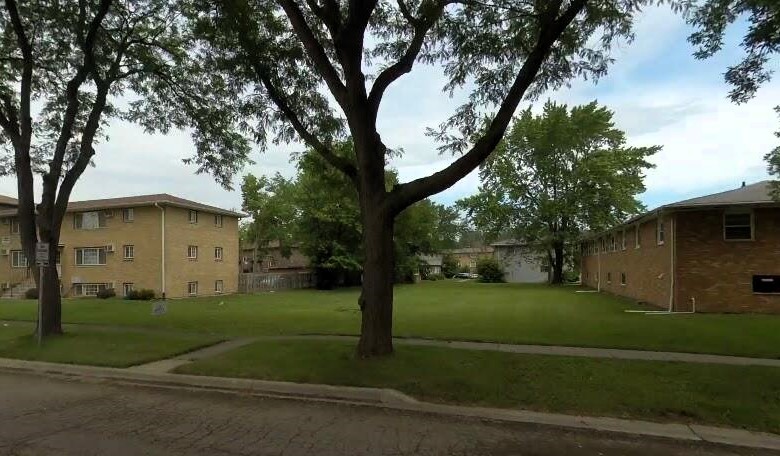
(434, 277)
(143, 294)
(32, 293)
(106, 293)
(490, 270)
(449, 266)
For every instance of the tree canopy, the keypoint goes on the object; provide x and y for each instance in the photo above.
(556, 175)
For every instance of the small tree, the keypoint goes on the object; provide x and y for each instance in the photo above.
(490, 270)
(556, 175)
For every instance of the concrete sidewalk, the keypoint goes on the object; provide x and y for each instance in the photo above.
(390, 399)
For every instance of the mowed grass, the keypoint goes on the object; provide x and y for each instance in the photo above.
(746, 397)
(97, 347)
(510, 313)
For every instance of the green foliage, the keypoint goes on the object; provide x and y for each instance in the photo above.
(143, 294)
(31, 293)
(106, 293)
(558, 174)
(490, 270)
(773, 165)
(449, 266)
(435, 277)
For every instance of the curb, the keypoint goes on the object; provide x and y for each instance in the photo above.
(391, 399)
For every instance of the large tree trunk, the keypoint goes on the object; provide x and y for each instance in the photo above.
(49, 288)
(376, 299)
(557, 266)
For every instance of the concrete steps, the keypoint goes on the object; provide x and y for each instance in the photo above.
(18, 290)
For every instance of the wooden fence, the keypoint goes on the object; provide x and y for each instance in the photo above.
(254, 282)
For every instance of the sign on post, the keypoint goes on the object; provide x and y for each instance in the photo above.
(159, 308)
(42, 254)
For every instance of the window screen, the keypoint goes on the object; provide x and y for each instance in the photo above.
(738, 227)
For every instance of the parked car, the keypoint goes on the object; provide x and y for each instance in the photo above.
(466, 275)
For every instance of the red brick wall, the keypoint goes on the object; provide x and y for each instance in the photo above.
(718, 273)
(646, 268)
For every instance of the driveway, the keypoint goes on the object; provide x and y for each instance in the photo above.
(42, 416)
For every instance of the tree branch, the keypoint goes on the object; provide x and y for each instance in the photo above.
(27, 69)
(404, 195)
(329, 13)
(279, 100)
(315, 51)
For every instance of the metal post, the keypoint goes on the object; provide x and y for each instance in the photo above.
(40, 307)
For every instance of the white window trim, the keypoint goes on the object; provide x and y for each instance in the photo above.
(752, 224)
(190, 288)
(18, 265)
(190, 250)
(218, 222)
(126, 289)
(124, 252)
(76, 256)
(128, 211)
(221, 288)
(190, 218)
(660, 222)
(221, 253)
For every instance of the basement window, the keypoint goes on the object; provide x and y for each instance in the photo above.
(766, 284)
(738, 226)
(609, 277)
(623, 278)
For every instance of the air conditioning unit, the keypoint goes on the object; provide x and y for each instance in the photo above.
(110, 248)
(5, 252)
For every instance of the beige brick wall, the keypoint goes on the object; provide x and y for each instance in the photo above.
(718, 273)
(647, 268)
(9, 242)
(205, 270)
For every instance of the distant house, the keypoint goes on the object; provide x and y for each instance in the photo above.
(468, 257)
(270, 258)
(716, 253)
(521, 264)
(431, 264)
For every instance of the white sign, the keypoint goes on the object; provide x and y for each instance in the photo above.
(42, 253)
(159, 308)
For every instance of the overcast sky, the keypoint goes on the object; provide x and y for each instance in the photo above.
(660, 95)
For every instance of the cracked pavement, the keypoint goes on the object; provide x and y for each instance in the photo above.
(45, 416)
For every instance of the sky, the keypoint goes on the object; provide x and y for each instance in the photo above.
(659, 93)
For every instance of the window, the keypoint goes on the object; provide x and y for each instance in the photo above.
(271, 261)
(126, 288)
(193, 216)
(660, 231)
(623, 241)
(89, 289)
(609, 277)
(91, 256)
(637, 236)
(623, 278)
(738, 226)
(14, 226)
(218, 220)
(18, 259)
(192, 288)
(89, 220)
(128, 214)
(192, 252)
(129, 252)
(218, 286)
(612, 243)
(217, 253)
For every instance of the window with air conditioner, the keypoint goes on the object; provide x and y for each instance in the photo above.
(738, 226)
(91, 256)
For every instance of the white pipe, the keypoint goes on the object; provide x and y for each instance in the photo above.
(162, 254)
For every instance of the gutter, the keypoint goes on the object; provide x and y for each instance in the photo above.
(162, 253)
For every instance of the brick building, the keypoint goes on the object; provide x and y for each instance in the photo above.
(171, 245)
(717, 253)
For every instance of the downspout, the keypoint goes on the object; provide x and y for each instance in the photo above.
(672, 254)
(162, 254)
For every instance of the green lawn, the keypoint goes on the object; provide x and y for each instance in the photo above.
(97, 347)
(530, 314)
(747, 397)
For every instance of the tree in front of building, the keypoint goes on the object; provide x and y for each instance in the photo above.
(556, 175)
(449, 265)
(62, 67)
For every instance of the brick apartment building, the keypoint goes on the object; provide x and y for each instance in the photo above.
(719, 253)
(171, 245)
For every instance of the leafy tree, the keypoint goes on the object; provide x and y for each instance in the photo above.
(556, 175)
(285, 51)
(761, 44)
(449, 266)
(61, 66)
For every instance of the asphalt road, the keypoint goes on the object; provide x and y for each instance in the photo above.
(42, 416)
